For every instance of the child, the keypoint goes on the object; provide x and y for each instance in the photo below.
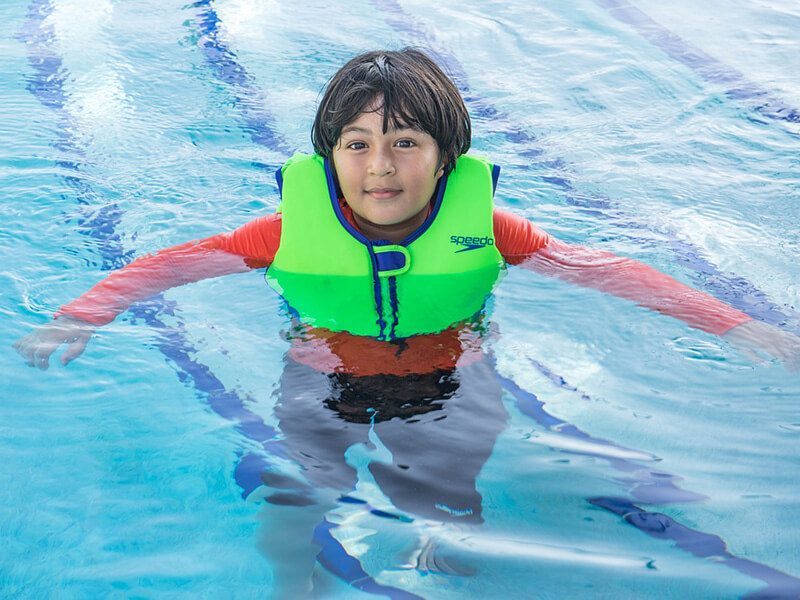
(391, 127)
(385, 248)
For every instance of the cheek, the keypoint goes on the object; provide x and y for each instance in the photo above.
(343, 175)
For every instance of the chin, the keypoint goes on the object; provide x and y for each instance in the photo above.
(384, 221)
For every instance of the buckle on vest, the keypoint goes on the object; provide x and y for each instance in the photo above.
(392, 260)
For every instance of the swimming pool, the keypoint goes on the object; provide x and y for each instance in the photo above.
(663, 134)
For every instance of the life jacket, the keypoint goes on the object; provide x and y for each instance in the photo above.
(332, 276)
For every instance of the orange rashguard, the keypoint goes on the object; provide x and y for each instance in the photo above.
(519, 241)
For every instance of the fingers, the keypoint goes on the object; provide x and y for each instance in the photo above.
(755, 337)
(40, 355)
(790, 353)
(37, 347)
(33, 353)
(786, 348)
(74, 350)
(36, 357)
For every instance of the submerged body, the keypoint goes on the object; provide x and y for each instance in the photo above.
(428, 392)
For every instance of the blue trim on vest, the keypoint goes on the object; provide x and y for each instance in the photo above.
(291, 310)
(441, 186)
(390, 261)
(376, 281)
(495, 177)
(395, 306)
(338, 209)
(279, 180)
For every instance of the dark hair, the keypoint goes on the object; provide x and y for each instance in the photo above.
(415, 92)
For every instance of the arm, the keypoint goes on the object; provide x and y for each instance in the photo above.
(528, 246)
(251, 246)
(635, 281)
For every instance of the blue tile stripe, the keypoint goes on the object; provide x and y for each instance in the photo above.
(655, 487)
(702, 545)
(739, 88)
(251, 101)
(47, 86)
(735, 290)
(651, 486)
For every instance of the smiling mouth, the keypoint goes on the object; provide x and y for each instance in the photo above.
(383, 193)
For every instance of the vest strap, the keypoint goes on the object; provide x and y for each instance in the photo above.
(333, 277)
(392, 259)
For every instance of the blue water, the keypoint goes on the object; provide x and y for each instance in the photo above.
(665, 133)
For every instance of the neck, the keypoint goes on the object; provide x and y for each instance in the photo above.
(395, 232)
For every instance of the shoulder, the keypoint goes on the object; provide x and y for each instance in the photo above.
(516, 237)
(258, 239)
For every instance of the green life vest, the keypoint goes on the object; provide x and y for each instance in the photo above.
(332, 276)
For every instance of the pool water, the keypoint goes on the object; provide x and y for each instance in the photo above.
(641, 457)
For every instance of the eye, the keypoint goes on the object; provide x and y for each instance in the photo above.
(356, 145)
(405, 143)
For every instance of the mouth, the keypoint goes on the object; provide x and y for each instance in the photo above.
(383, 193)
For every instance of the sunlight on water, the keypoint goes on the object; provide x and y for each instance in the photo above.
(636, 457)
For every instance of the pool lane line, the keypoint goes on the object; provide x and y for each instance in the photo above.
(250, 99)
(702, 545)
(739, 88)
(733, 289)
(645, 483)
(348, 568)
(654, 487)
(47, 86)
(650, 486)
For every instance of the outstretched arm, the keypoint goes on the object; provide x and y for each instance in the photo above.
(526, 245)
(251, 246)
(635, 281)
(754, 336)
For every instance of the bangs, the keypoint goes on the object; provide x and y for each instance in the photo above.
(410, 91)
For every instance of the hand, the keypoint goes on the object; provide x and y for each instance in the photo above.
(37, 346)
(757, 335)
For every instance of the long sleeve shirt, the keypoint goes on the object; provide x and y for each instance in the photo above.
(519, 241)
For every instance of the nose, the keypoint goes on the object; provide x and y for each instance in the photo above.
(381, 163)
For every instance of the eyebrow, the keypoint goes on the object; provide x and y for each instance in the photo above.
(354, 129)
(364, 131)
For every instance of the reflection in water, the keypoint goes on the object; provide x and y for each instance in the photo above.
(384, 397)
(439, 428)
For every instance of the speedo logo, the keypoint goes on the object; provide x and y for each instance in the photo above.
(471, 243)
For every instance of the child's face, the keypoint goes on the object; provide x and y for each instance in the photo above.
(386, 178)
